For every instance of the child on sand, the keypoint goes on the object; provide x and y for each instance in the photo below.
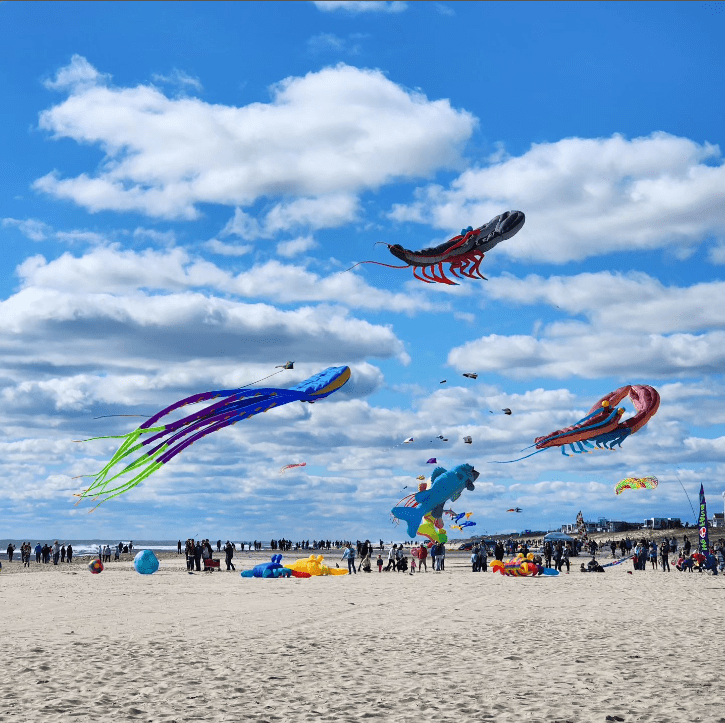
(412, 565)
(380, 563)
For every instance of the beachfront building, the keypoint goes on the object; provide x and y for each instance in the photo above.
(662, 523)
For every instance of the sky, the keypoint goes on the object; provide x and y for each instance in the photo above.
(185, 185)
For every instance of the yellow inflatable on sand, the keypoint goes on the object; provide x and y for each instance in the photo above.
(314, 567)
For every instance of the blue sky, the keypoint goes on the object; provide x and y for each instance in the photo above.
(186, 182)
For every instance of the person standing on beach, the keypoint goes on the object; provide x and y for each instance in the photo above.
(441, 558)
(62, 553)
(380, 563)
(665, 555)
(178, 547)
(69, 553)
(56, 552)
(422, 556)
(197, 556)
(498, 551)
(10, 551)
(229, 554)
(483, 558)
(38, 552)
(349, 555)
(189, 550)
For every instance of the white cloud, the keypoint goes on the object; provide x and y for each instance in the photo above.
(589, 197)
(312, 213)
(332, 133)
(219, 247)
(290, 249)
(361, 6)
(179, 78)
(160, 237)
(75, 76)
(112, 270)
(579, 351)
(633, 302)
(716, 253)
(76, 236)
(30, 228)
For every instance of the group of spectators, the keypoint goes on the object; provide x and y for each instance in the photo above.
(43, 553)
(199, 552)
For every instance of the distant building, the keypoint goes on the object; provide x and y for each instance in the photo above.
(718, 520)
(662, 523)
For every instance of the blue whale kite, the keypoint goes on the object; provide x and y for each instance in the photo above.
(445, 485)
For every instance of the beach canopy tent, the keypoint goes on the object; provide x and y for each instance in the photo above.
(554, 536)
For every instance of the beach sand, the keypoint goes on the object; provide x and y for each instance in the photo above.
(451, 646)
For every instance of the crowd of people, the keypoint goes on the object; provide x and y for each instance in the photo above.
(644, 554)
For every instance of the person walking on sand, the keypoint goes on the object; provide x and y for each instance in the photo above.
(391, 558)
(10, 551)
(349, 555)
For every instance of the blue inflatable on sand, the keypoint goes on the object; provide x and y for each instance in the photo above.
(146, 563)
(269, 569)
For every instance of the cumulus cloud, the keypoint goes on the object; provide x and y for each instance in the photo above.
(361, 6)
(178, 78)
(30, 228)
(634, 302)
(113, 270)
(78, 74)
(290, 249)
(588, 197)
(578, 351)
(328, 211)
(224, 249)
(340, 130)
(635, 327)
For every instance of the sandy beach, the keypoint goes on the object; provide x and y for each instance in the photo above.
(450, 646)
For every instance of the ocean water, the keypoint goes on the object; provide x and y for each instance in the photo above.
(88, 547)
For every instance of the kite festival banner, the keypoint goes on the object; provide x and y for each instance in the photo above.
(702, 523)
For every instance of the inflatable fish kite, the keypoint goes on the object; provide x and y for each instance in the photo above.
(445, 485)
(463, 253)
(602, 426)
(160, 443)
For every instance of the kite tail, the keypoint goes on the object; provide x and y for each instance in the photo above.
(130, 484)
(127, 448)
(508, 461)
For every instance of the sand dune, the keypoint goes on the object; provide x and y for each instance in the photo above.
(454, 646)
